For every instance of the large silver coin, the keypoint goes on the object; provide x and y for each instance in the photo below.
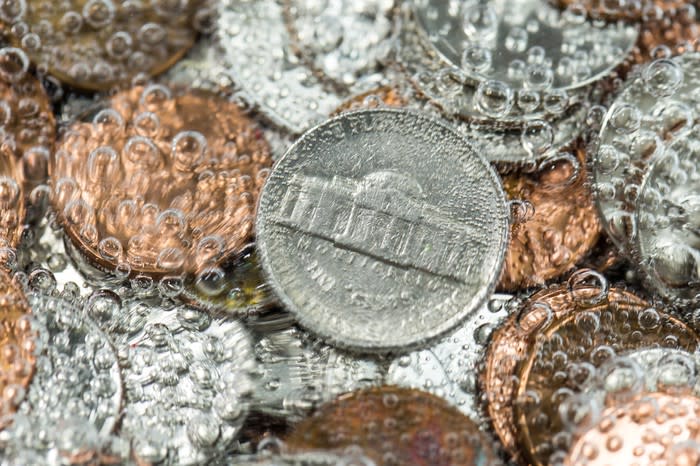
(657, 107)
(667, 240)
(382, 229)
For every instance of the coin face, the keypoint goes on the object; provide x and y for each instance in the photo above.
(578, 327)
(160, 183)
(394, 425)
(656, 428)
(612, 10)
(655, 108)
(561, 229)
(381, 229)
(17, 346)
(98, 44)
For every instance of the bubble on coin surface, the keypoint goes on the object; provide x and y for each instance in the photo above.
(75, 398)
(656, 107)
(450, 367)
(98, 44)
(667, 214)
(257, 56)
(394, 426)
(187, 379)
(382, 229)
(346, 41)
(313, 458)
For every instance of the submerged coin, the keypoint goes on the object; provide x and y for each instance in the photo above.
(578, 327)
(398, 426)
(654, 429)
(160, 183)
(560, 228)
(379, 97)
(98, 44)
(258, 58)
(616, 9)
(17, 346)
(382, 229)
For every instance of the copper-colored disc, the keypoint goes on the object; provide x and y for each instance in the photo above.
(396, 426)
(388, 96)
(17, 344)
(655, 429)
(28, 137)
(672, 31)
(616, 9)
(560, 232)
(97, 44)
(531, 354)
(164, 183)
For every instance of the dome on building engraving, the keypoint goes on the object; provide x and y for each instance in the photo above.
(394, 181)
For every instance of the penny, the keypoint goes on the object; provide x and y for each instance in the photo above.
(666, 246)
(656, 428)
(614, 9)
(578, 326)
(507, 62)
(655, 108)
(562, 227)
(17, 346)
(258, 58)
(99, 44)
(370, 246)
(160, 183)
(344, 41)
(675, 31)
(392, 425)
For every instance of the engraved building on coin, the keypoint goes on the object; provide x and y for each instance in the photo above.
(382, 229)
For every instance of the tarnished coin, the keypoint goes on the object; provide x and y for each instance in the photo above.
(519, 57)
(392, 425)
(257, 55)
(656, 107)
(345, 41)
(579, 326)
(654, 429)
(558, 225)
(17, 347)
(187, 385)
(160, 183)
(382, 229)
(450, 368)
(676, 30)
(667, 241)
(616, 9)
(75, 397)
(98, 44)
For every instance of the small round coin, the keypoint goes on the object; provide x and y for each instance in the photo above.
(654, 429)
(561, 229)
(98, 44)
(395, 426)
(557, 340)
(160, 183)
(382, 229)
(17, 346)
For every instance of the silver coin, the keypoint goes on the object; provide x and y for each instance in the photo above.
(524, 44)
(258, 58)
(450, 367)
(347, 41)
(382, 229)
(187, 381)
(658, 106)
(297, 373)
(75, 396)
(667, 241)
(315, 458)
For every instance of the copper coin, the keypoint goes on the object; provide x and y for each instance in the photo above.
(542, 351)
(97, 44)
(382, 96)
(396, 426)
(657, 428)
(17, 346)
(160, 182)
(675, 32)
(617, 9)
(561, 228)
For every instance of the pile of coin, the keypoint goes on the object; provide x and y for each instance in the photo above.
(350, 232)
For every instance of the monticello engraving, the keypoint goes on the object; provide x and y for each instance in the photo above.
(384, 215)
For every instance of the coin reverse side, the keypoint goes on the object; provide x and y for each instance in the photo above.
(382, 229)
